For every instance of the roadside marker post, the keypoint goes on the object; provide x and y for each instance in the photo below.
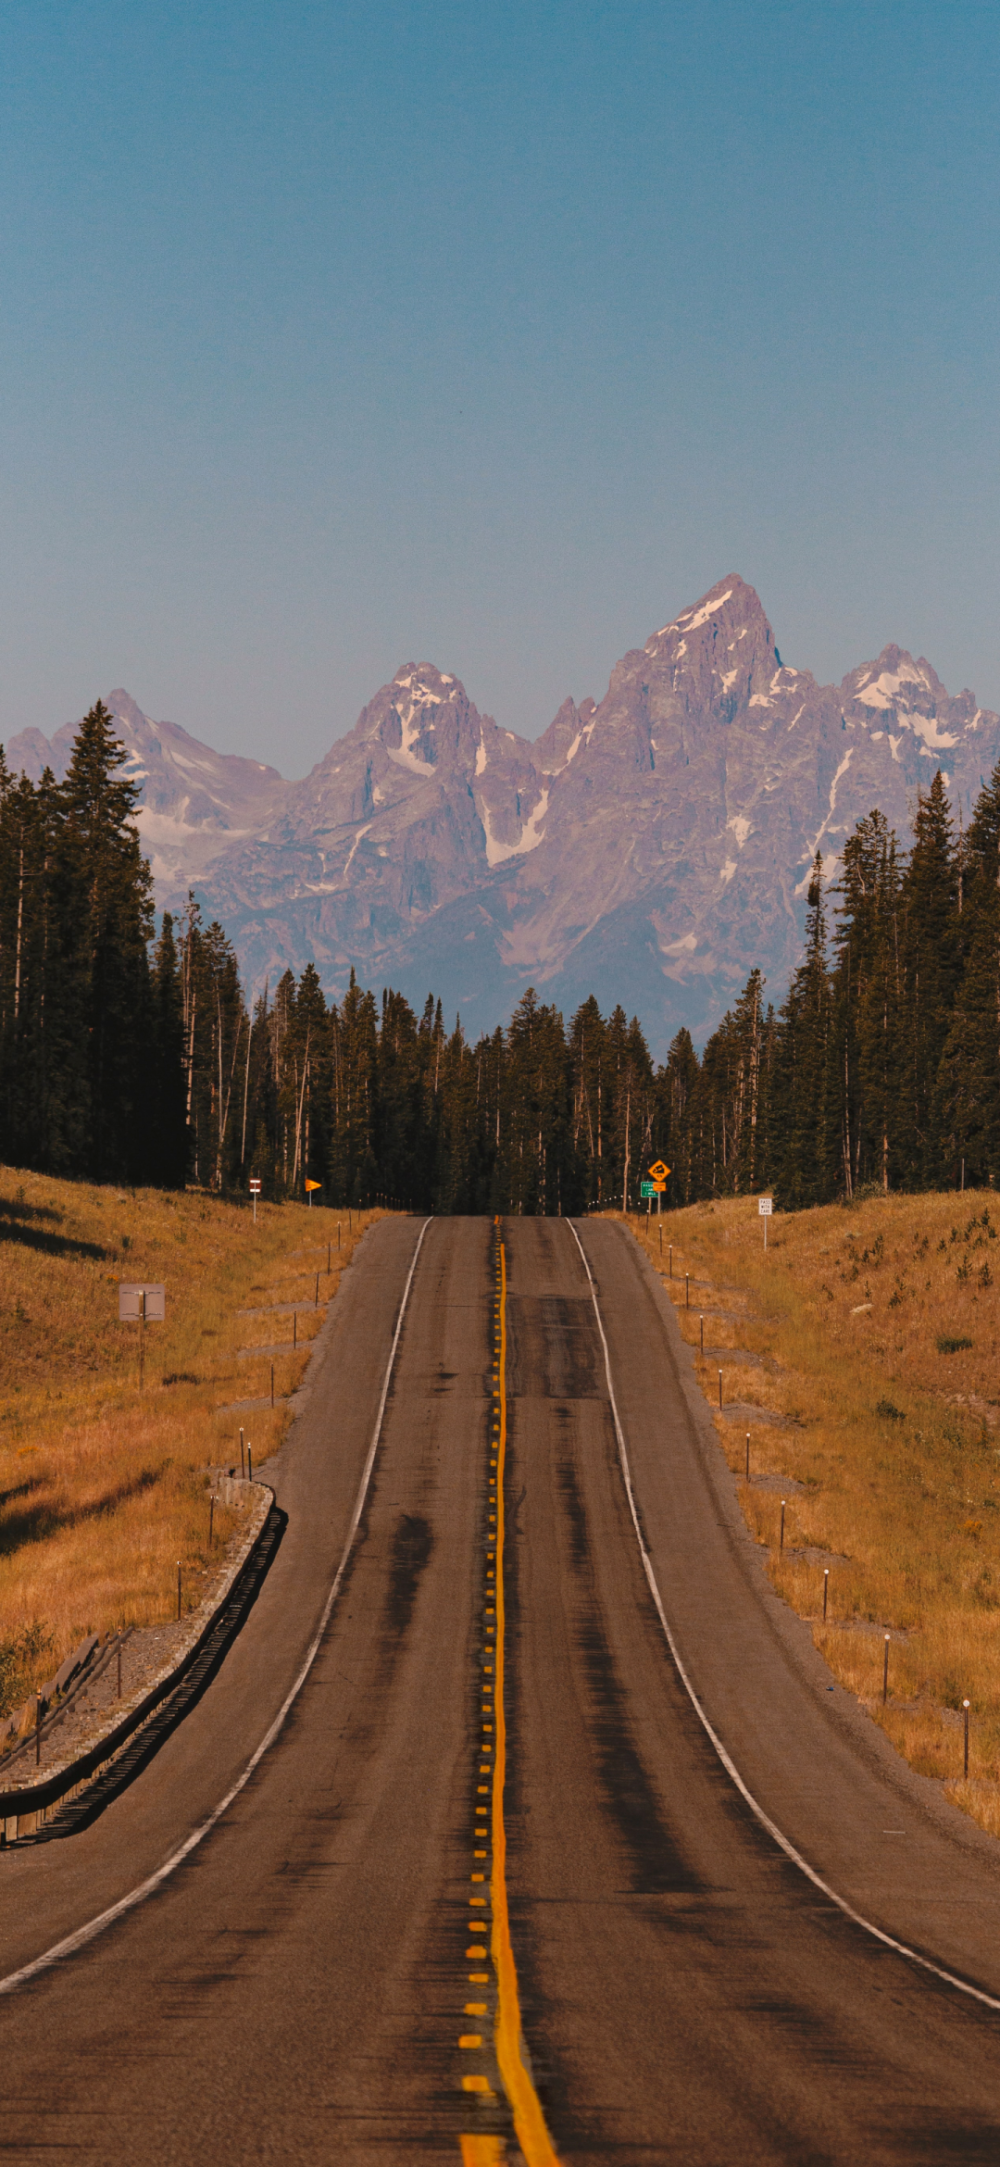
(885, 1673)
(765, 1206)
(720, 1391)
(701, 1321)
(687, 1290)
(748, 1456)
(310, 1186)
(781, 1538)
(255, 1192)
(965, 1762)
(243, 1460)
(826, 1589)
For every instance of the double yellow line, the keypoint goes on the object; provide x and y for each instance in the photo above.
(529, 2121)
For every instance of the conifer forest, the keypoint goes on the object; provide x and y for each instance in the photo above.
(130, 1054)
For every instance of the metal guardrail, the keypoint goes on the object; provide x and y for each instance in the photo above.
(24, 1809)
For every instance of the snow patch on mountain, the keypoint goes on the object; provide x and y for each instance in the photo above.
(530, 837)
(691, 619)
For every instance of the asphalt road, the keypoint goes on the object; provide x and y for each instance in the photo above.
(298, 1988)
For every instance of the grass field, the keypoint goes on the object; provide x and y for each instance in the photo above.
(873, 1331)
(103, 1486)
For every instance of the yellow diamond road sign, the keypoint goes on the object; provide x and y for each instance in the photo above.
(658, 1172)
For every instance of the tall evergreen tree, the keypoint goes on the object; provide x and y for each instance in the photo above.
(803, 1172)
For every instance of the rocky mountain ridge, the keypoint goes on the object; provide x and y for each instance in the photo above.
(650, 847)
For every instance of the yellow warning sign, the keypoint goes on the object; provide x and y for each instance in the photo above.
(658, 1172)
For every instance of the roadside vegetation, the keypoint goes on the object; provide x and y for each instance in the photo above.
(103, 1485)
(871, 1334)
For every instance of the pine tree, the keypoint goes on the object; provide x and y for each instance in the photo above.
(931, 954)
(968, 1082)
(101, 922)
(867, 1008)
(804, 1173)
(166, 1165)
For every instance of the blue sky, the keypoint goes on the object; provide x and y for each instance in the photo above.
(336, 336)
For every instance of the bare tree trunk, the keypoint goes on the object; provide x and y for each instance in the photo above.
(20, 921)
(628, 1112)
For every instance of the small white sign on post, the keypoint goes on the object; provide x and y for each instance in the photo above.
(142, 1303)
(765, 1206)
(255, 1192)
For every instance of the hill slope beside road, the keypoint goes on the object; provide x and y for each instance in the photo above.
(651, 847)
(312, 1981)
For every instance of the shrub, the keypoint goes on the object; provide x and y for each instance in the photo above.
(947, 1345)
(18, 1658)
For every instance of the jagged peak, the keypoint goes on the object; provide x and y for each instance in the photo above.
(731, 603)
(892, 679)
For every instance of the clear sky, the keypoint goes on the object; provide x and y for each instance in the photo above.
(334, 336)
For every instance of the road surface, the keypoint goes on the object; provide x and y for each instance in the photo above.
(495, 1736)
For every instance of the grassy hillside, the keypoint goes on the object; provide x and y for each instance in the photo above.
(875, 1333)
(103, 1486)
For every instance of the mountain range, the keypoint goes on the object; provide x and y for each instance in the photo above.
(649, 848)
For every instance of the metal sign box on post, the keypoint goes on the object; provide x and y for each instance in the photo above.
(130, 1302)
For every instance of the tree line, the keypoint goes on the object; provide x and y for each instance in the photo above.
(881, 1068)
(131, 1056)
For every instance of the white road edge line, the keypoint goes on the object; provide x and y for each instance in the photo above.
(89, 1932)
(900, 1948)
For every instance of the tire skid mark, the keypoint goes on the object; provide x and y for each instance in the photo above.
(626, 1788)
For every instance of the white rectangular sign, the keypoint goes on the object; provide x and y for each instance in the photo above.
(255, 1188)
(765, 1206)
(130, 1301)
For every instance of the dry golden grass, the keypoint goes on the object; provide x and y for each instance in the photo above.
(891, 1429)
(103, 1487)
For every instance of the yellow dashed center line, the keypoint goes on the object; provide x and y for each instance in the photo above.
(529, 2121)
